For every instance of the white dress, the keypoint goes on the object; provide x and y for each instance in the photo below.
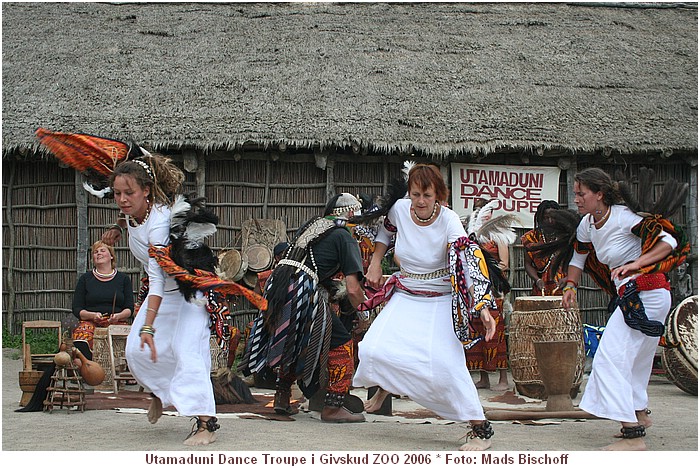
(411, 348)
(617, 386)
(181, 374)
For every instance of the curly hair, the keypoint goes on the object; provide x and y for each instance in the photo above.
(156, 172)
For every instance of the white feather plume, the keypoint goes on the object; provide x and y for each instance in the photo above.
(407, 166)
(498, 229)
(98, 193)
(476, 220)
(179, 208)
(197, 232)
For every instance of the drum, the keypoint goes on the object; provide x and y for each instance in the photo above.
(681, 362)
(250, 279)
(232, 265)
(541, 318)
(259, 257)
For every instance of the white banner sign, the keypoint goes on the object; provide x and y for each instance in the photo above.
(519, 189)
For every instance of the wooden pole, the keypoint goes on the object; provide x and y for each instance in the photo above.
(83, 243)
(11, 249)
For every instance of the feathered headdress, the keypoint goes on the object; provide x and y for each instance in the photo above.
(95, 157)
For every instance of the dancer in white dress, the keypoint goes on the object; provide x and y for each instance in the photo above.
(412, 348)
(174, 362)
(617, 387)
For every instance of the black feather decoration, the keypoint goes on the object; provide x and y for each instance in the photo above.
(397, 190)
(641, 200)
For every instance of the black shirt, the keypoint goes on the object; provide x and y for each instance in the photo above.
(107, 297)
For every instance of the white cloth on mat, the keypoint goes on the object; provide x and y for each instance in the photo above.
(411, 348)
(181, 374)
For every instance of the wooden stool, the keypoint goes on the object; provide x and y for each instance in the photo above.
(66, 390)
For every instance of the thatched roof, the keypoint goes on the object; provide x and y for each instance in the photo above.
(444, 78)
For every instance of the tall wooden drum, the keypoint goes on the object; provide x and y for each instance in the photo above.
(681, 362)
(542, 318)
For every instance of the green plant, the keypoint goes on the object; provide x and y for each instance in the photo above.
(40, 341)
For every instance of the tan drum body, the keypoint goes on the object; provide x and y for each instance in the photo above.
(259, 257)
(232, 265)
(541, 318)
(681, 362)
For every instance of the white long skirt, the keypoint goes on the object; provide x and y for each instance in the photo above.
(181, 374)
(617, 386)
(411, 350)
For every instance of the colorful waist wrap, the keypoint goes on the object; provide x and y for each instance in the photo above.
(632, 307)
(464, 304)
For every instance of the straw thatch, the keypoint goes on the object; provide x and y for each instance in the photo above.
(439, 78)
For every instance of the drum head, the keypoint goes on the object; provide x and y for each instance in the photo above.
(683, 328)
(232, 265)
(259, 257)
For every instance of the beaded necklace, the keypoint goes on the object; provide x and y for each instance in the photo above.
(134, 223)
(103, 276)
(435, 207)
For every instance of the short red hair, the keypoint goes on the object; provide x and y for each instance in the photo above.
(425, 176)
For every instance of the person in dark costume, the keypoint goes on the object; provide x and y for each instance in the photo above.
(299, 336)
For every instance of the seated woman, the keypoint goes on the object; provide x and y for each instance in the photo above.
(103, 297)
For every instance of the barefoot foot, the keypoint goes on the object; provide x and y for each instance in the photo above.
(155, 410)
(201, 437)
(637, 444)
(375, 403)
(475, 444)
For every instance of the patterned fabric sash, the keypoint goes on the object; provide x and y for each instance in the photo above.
(649, 230)
(299, 340)
(215, 289)
(632, 307)
(464, 304)
(385, 293)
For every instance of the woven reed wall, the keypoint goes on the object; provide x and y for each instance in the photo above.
(43, 208)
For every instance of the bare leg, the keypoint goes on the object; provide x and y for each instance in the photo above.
(502, 385)
(643, 419)
(155, 410)
(375, 403)
(484, 381)
(479, 438)
(631, 441)
(202, 435)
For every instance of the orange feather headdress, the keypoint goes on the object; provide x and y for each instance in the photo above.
(94, 156)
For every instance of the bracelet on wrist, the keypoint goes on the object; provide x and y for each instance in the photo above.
(572, 282)
(151, 309)
(117, 227)
(148, 329)
(569, 288)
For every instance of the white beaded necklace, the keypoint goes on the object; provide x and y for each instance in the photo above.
(135, 223)
(103, 276)
(435, 207)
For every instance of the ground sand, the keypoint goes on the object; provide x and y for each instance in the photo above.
(674, 414)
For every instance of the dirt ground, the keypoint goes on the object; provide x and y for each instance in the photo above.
(675, 429)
